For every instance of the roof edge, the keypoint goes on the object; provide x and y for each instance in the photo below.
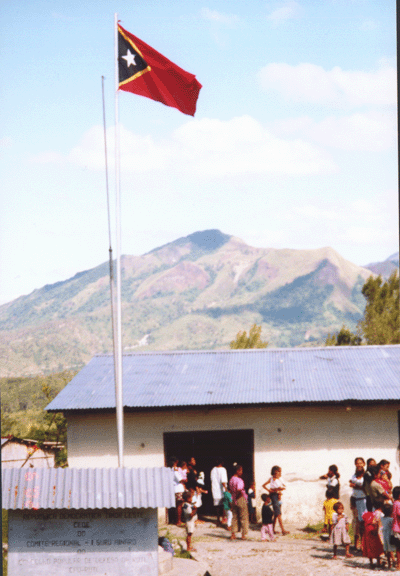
(131, 409)
(246, 350)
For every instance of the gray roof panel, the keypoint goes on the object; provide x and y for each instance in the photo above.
(267, 376)
(87, 488)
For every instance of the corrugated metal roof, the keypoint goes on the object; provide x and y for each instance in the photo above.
(87, 488)
(154, 380)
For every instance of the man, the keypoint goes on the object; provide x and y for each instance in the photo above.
(219, 483)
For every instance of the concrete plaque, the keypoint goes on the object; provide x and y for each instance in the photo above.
(105, 542)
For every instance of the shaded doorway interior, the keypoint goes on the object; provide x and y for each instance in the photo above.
(234, 446)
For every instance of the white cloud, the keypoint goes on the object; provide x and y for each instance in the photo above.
(370, 131)
(287, 11)
(243, 146)
(207, 148)
(219, 18)
(361, 230)
(138, 153)
(311, 83)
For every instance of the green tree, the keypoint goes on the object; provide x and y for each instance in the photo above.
(253, 340)
(381, 321)
(343, 338)
(54, 430)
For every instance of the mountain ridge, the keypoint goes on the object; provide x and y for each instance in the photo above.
(196, 292)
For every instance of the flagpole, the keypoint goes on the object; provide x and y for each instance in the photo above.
(111, 265)
(118, 383)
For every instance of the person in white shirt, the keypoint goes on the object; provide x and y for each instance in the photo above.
(219, 483)
(276, 486)
(179, 488)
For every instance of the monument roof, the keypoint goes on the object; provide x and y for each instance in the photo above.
(87, 488)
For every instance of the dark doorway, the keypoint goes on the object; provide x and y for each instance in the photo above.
(234, 446)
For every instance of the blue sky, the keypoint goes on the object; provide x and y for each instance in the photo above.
(293, 144)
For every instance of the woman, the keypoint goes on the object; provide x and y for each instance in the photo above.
(359, 498)
(240, 513)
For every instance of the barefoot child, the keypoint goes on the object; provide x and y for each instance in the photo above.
(340, 530)
(267, 516)
(328, 509)
(372, 544)
(387, 522)
(251, 503)
(190, 517)
(227, 506)
(198, 500)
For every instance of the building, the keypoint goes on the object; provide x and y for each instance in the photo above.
(302, 409)
(25, 453)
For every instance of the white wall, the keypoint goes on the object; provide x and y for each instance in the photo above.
(304, 441)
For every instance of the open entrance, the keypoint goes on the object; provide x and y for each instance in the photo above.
(234, 446)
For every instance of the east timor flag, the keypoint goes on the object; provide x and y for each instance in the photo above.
(144, 71)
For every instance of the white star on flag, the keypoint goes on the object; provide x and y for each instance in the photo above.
(130, 59)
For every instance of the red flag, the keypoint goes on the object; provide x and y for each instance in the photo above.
(144, 71)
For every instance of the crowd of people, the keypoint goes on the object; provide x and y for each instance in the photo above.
(235, 505)
(375, 507)
(374, 503)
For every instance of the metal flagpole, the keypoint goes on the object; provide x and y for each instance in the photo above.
(111, 265)
(118, 383)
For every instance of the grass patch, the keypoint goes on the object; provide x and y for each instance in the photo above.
(179, 551)
(314, 528)
(183, 554)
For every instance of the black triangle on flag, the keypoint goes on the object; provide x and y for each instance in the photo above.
(131, 63)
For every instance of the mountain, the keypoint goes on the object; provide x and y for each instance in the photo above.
(194, 293)
(386, 267)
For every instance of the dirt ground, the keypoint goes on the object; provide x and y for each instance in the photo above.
(297, 554)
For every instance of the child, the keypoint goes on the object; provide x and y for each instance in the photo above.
(199, 491)
(267, 515)
(328, 509)
(189, 515)
(276, 486)
(183, 469)
(227, 506)
(340, 530)
(332, 478)
(251, 503)
(387, 522)
(372, 545)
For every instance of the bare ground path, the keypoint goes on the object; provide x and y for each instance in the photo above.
(298, 554)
